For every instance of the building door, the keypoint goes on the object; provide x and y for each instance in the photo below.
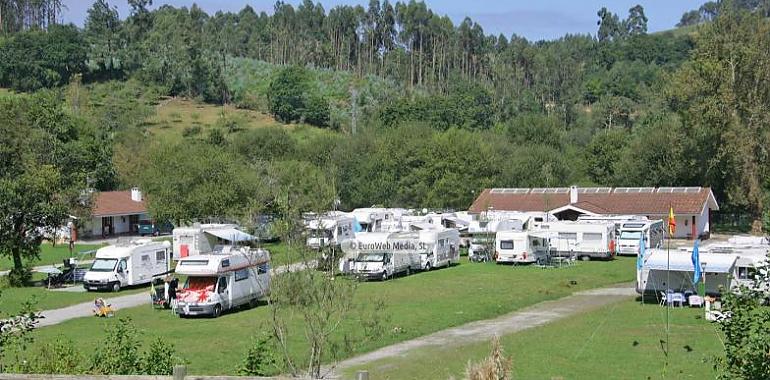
(107, 226)
(133, 223)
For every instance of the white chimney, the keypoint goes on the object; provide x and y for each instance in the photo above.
(573, 194)
(136, 194)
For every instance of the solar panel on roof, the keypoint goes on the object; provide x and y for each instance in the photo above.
(594, 190)
(692, 189)
(537, 190)
(665, 189)
(679, 190)
(559, 190)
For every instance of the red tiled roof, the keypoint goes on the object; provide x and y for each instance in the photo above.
(611, 202)
(108, 203)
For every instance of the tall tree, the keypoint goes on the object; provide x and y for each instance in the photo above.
(102, 31)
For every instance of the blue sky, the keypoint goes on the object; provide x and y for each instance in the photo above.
(533, 19)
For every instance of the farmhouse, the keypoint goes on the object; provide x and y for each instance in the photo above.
(116, 212)
(692, 205)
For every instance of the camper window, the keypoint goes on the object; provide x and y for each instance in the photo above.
(145, 259)
(263, 268)
(746, 273)
(194, 263)
(568, 235)
(506, 244)
(160, 256)
(122, 266)
(241, 274)
(222, 285)
(371, 257)
(104, 265)
(631, 235)
(592, 237)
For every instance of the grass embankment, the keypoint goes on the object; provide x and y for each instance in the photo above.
(416, 305)
(619, 341)
(175, 117)
(50, 254)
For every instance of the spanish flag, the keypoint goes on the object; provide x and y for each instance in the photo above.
(671, 221)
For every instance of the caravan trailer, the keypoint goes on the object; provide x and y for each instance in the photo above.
(520, 246)
(443, 247)
(653, 232)
(227, 278)
(127, 263)
(581, 240)
(200, 239)
(329, 230)
(381, 255)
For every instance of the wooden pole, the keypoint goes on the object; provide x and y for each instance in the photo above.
(180, 372)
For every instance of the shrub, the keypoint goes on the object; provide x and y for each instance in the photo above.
(159, 359)
(494, 367)
(60, 357)
(191, 131)
(119, 352)
(259, 360)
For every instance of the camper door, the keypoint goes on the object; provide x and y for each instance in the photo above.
(224, 292)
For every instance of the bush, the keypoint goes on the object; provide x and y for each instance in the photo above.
(191, 131)
(259, 360)
(494, 367)
(20, 277)
(159, 358)
(119, 352)
(60, 357)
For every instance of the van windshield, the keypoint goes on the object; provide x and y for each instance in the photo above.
(371, 257)
(630, 235)
(104, 265)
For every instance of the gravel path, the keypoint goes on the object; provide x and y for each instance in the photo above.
(56, 316)
(479, 331)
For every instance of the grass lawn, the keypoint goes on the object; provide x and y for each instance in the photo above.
(619, 341)
(416, 305)
(50, 254)
(11, 299)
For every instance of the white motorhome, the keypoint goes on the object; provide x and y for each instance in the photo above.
(128, 263)
(617, 219)
(200, 239)
(384, 265)
(520, 246)
(329, 230)
(443, 247)
(227, 278)
(653, 232)
(580, 239)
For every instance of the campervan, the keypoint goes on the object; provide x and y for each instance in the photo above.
(200, 239)
(329, 230)
(443, 247)
(127, 263)
(580, 239)
(381, 255)
(226, 278)
(617, 219)
(652, 231)
(520, 246)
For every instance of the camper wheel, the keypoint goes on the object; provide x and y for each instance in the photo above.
(428, 266)
(253, 303)
(585, 258)
(384, 275)
(217, 311)
(116, 287)
(408, 271)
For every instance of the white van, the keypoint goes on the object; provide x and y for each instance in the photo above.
(520, 246)
(228, 278)
(127, 263)
(582, 240)
(200, 239)
(653, 232)
(384, 265)
(329, 231)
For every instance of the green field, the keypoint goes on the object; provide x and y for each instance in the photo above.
(50, 254)
(619, 341)
(416, 305)
(173, 116)
(11, 299)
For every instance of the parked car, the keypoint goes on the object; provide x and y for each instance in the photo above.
(149, 227)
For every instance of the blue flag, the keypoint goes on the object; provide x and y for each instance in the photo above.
(640, 257)
(696, 263)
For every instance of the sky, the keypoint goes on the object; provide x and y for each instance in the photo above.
(533, 19)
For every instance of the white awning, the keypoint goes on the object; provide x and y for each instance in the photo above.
(682, 262)
(231, 234)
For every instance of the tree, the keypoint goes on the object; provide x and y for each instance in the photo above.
(603, 153)
(286, 94)
(609, 25)
(102, 32)
(35, 189)
(747, 330)
(636, 23)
